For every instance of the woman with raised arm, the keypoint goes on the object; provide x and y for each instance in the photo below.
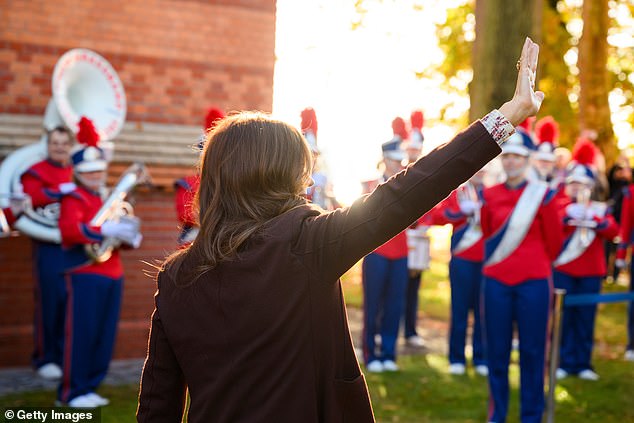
(250, 319)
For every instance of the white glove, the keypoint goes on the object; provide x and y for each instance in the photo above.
(468, 207)
(125, 231)
(576, 211)
(619, 263)
(590, 213)
(137, 241)
(66, 187)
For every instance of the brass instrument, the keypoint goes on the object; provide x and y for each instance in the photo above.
(584, 225)
(115, 208)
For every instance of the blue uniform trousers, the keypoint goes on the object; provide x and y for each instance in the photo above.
(91, 322)
(527, 305)
(50, 303)
(577, 328)
(410, 314)
(384, 286)
(465, 278)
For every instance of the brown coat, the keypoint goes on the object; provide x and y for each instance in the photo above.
(265, 338)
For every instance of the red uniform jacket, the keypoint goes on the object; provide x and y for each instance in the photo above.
(626, 232)
(186, 189)
(396, 248)
(592, 261)
(533, 258)
(264, 338)
(41, 182)
(77, 209)
(448, 212)
(8, 214)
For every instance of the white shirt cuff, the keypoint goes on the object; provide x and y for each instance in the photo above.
(498, 126)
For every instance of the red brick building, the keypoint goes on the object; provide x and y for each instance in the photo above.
(176, 58)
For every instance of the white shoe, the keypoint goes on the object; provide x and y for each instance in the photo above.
(374, 366)
(415, 341)
(98, 398)
(561, 374)
(482, 370)
(390, 366)
(588, 374)
(50, 371)
(83, 401)
(457, 369)
(629, 355)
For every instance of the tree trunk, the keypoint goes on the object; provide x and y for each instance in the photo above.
(501, 28)
(594, 109)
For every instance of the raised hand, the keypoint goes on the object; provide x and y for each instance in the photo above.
(526, 101)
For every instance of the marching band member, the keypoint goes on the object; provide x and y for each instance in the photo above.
(186, 188)
(46, 183)
(320, 192)
(523, 235)
(414, 149)
(462, 210)
(626, 235)
(384, 276)
(544, 159)
(94, 288)
(581, 266)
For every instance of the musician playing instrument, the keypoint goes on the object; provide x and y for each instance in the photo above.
(94, 288)
(462, 210)
(580, 267)
(46, 182)
(384, 277)
(522, 236)
(186, 188)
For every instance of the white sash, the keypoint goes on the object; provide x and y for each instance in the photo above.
(520, 221)
(581, 238)
(471, 236)
(576, 247)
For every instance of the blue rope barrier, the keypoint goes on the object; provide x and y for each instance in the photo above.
(585, 299)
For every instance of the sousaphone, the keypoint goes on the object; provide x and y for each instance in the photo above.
(83, 84)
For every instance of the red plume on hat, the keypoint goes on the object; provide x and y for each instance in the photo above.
(417, 120)
(585, 152)
(399, 128)
(87, 134)
(212, 117)
(309, 121)
(547, 130)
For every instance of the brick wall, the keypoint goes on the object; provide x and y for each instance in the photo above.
(175, 58)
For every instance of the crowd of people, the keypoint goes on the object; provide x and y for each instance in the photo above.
(539, 223)
(550, 219)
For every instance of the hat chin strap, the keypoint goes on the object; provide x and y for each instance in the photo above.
(94, 185)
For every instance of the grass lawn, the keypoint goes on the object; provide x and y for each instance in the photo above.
(424, 392)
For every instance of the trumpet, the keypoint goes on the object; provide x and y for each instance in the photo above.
(115, 208)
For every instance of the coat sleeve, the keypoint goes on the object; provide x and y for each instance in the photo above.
(552, 225)
(330, 243)
(72, 222)
(33, 185)
(162, 394)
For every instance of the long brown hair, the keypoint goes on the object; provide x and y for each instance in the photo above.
(252, 169)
